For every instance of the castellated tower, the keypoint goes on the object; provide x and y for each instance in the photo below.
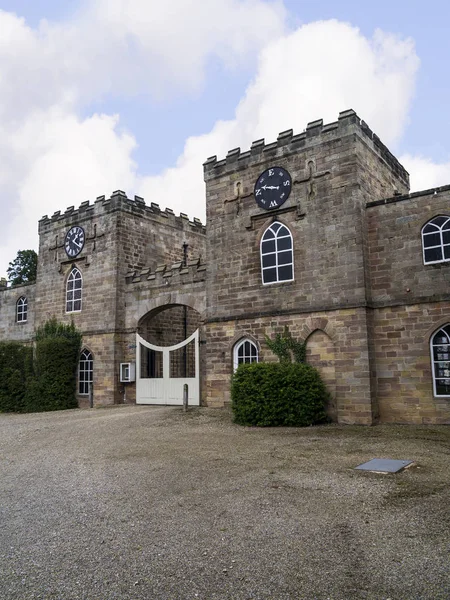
(335, 170)
(119, 235)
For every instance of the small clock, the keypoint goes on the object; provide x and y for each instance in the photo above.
(272, 188)
(74, 241)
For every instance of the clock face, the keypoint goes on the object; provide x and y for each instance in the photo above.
(74, 241)
(272, 188)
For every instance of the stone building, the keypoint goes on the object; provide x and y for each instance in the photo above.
(316, 232)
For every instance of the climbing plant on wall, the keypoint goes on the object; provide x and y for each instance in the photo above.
(286, 348)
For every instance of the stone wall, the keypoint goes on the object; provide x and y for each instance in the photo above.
(403, 363)
(10, 328)
(411, 301)
(397, 272)
(345, 331)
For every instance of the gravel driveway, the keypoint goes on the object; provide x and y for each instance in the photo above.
(140, 502)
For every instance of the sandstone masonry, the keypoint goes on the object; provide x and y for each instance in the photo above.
(361, 298)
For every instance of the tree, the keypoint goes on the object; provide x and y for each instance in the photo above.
(23, 269)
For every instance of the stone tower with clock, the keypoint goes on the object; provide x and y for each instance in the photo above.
(84, 256)
(287, 239)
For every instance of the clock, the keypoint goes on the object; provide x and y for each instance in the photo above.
(272, 188)
(74, 241)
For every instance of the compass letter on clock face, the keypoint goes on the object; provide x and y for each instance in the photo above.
(272, 188)
(74, 241)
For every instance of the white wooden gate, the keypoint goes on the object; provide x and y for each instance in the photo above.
(158, 379)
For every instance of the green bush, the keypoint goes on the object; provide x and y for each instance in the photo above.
(276, 394)
(56, 359)
(49, 381)
(16, 372)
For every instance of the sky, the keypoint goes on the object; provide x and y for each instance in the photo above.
(99, 95)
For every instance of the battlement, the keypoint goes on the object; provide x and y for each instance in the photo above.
(119, 201)
(177, 273)
(315, 133)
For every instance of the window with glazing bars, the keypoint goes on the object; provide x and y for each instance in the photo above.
(436, 240)
(277, 257)
(74, 291)
(85, 372)
(22, 309)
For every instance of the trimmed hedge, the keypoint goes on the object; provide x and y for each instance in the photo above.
(49, 381)
(276, 394)
(56, 360)
(16, 371)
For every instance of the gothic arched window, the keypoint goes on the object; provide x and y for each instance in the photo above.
(73, 291)
(277, 256)
(244, 351)
(85, 372)
(21, 310)
(436, 240)
(440, 358)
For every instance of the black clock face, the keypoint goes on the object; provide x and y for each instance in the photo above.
(74, 241)
(272, 188)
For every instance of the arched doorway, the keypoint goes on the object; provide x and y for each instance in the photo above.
(167, 344)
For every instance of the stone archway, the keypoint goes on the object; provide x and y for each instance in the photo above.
(168, 358)
(320, 353)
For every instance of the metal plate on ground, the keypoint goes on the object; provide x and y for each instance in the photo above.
(384, 465)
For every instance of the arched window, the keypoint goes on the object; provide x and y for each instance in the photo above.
(245, 351)
(277, 257)
(73, 291)
(440, 358)
(85, 372)
(21, 309)
(436, 240)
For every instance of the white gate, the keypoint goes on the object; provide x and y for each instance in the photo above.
(162, 372)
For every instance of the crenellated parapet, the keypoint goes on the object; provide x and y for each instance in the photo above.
(177, 273)
(287, 143)
(119, 201)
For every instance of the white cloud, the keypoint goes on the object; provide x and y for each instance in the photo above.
(58, 160)
(424, 173)
(314, 72)
(51, 158)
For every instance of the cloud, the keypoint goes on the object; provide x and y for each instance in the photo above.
(51, 157)
(168, 44)
(313, 72)
(57, 160)
(424, 173)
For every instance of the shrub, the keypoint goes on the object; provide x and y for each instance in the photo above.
(16, 372)
(275, 394)
(56, 359)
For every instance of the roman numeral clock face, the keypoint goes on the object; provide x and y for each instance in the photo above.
(74, 241)
(272, 188)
